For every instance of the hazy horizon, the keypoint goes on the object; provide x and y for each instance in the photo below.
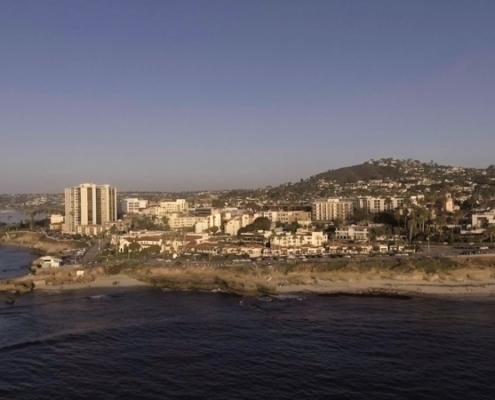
(217, 95)
(206, 189)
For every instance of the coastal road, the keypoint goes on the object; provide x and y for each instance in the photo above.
(94, 251)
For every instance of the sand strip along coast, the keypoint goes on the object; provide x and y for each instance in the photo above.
(419, 277)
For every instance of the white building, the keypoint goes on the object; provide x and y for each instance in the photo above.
(483, 220)
(215, 220)
(176, 222)
(247, 219)
(164, 242)
(201, 226)
(332, 209)
(47, 262)
(232, 227)
(374, 205)
(56, 222)
(206, 223)
(173, 206)
(56, 219)
(352, 232)
(132, 206)
(89, 230)
(300, 238)
(271, 215)
(89, 204)
(286, 217)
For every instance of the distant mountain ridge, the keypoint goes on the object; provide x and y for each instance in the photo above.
(392, 169)
(386, 176)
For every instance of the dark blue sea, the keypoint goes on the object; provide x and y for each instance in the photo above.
(14, 217)
(150, 344)
(15, 261)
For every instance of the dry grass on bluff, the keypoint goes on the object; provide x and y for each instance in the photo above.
(373, 265)
(40, 242)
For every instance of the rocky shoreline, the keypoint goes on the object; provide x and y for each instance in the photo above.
(367, 277)
(317, 279)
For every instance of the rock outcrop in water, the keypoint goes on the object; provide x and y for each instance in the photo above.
(16, 286)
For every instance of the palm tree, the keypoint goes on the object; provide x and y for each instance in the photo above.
(458, 215)
(388, 204)
(412, 224)
(134, 247)
(490, 232)
(405, 214)
(440, 222)
(422, 217)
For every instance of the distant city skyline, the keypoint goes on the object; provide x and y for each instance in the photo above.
(175, 96)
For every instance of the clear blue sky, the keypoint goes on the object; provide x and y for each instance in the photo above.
(186, 95)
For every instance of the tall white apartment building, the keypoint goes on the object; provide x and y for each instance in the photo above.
(332, 209)
(132, 206)
(89, 205)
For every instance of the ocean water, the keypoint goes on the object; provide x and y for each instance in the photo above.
(150, 344)
(14, 217)
(14, 261)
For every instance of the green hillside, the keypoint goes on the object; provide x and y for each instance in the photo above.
(361, 172)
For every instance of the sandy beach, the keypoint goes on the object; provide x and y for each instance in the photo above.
(412, 288)
(378, 286)
(422, 277)
(109, 281)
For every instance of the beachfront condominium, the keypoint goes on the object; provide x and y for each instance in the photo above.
(89, 205)
(332, 209)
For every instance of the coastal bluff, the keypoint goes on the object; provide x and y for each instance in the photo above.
(366, 276)
(394, 275)
(39, 242)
